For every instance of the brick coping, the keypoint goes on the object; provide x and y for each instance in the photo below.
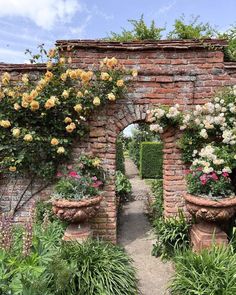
(143, 45)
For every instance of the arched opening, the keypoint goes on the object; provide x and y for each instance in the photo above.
(139, 175)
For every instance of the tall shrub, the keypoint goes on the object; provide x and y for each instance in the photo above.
(151, 160)
(120, 160)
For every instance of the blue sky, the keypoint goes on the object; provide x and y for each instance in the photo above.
(27, 23)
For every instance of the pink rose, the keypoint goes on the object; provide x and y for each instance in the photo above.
(214, 176)
(203, 179)
(74, 174)
(225, 174)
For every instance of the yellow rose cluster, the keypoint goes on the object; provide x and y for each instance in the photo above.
(59, 101)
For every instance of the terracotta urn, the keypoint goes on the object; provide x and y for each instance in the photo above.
(77, 213)
(211, 218)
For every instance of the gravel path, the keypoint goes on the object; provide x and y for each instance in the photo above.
(136, 237)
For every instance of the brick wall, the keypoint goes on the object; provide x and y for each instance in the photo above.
(184, 72)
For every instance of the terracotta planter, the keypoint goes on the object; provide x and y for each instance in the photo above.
(210, 210)
(211, 220)
(76, 211)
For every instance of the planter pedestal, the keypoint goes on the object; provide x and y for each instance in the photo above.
(77, 213)
(78, 232)
(204, 235)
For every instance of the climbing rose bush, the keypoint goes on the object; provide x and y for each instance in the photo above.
(40, 120)
(208, 142)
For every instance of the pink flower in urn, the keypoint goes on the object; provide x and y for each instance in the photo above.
(69, 167)
(225, 174)
(74, 174)
(214, 176)
(203, 179)
(94, 178)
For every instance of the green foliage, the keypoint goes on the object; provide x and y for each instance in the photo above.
(172, 235)
(120, 160)
(101, 268)
(151, 160)
(188, 143)
(140, 31)
(157, 205)
(192, 30)
(123, 186)
(210, 272)
(140, 134)
(230, 50)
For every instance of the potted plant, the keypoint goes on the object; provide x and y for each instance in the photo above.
(77, 198)
(211, 184)
(208, 146)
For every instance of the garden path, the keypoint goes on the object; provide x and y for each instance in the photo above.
(136, 236)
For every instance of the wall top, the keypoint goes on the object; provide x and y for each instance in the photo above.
(22, 67)
(144, 45)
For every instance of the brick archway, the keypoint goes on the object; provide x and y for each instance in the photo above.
(105, 126)
(187, 72)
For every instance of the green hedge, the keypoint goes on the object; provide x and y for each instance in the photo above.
(151, 160)
(120, 160)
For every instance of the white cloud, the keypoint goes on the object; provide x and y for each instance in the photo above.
(167, 7)
(44, 13)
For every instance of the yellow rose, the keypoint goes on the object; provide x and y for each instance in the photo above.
(73, 75)
(6, 78)
(65, 94)
(79, 94)
(48, 76)
(62, 60)
(5, 123)
(42, 83)
(96, 101)
(24, 104)
(52, 52)
(49, 65)
(16, 106)
(111, 96)
(86, 76)
(120, 83)
(69, 60)
(104, 76)
(12, 168)
(28, 138)
(34, 93)
(70, 128)
(61, 150)
(134, 73)
(112, 62)
(54, 141)
(78, 108)
(63, 77)
(16, 132)
(34, 105)
(78, 72)
(68, 120)
(50, 103)
(25, 78)
(11, 93)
